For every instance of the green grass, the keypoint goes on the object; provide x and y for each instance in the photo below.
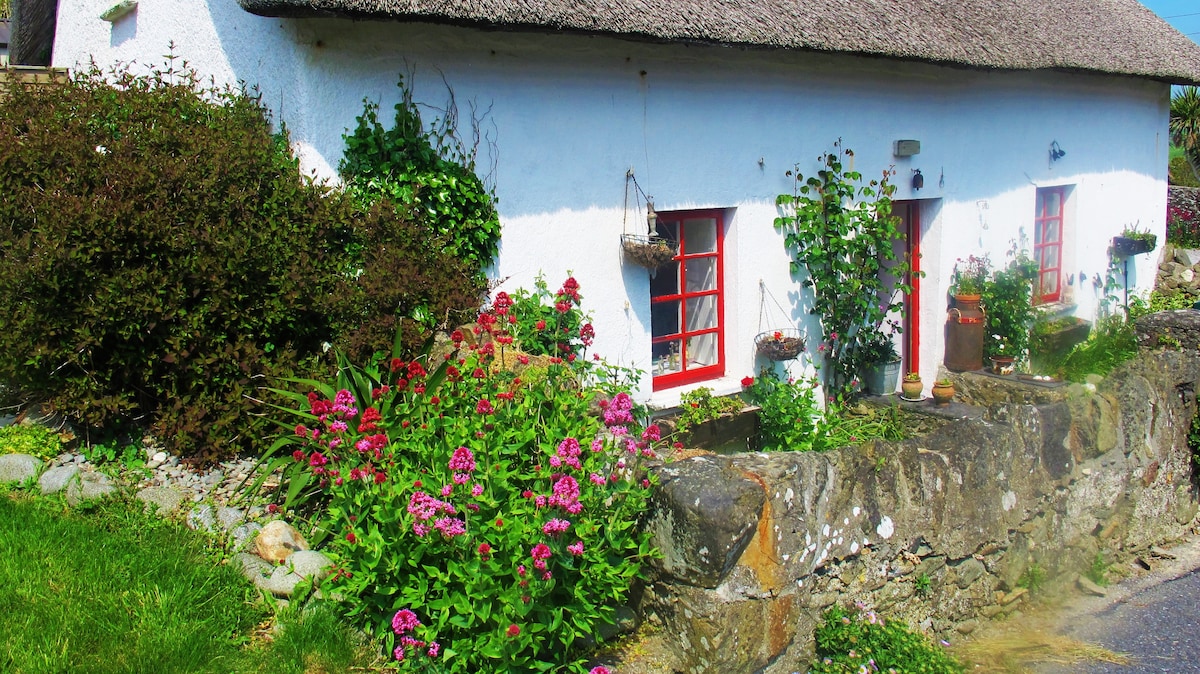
(109, 589)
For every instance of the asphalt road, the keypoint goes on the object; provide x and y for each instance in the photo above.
(1155, 621)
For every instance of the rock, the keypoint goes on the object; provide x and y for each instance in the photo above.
(160, 457)
(213, 478)
(19, 467)
(308, 563)
(1187, 256)
(278, 540)
(1086, 586)
(230, 518)
(202, 518)
(281, 582)
(969, 571)
(240, 537)
(165, 499)
(56, 479)
(254, 568)
(702, 517)
(89, 486)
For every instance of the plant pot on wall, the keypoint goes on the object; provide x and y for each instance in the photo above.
(881, 379)
(650, 252)
(1124, 245)
(912, 388)
(1002, 364)
(943, 392)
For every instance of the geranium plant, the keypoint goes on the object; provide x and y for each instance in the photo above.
(970, 274)
(481, 518)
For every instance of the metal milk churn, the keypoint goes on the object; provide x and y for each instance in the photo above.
(964, 334)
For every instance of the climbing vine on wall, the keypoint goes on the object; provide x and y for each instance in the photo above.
(429, 172)
(841, 231)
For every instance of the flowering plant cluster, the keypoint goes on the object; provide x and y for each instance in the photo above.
(546, 324)
(481, 518)
(1183, 227)
(790, 416)
(857, 640)
(971, 274)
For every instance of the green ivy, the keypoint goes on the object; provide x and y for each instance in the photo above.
(427, 171)
(858, 640)
(843, 234)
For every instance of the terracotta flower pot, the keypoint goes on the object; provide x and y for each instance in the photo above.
(912, 390)
(943, 393)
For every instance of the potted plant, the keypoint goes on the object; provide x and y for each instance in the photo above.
(783, 344)
(969, 277)
(1010, 313)
(964, 321)
(1003, 355)
(649, 251)
(881, 371)
(1133, 241)
(943, 392)
(912, 388)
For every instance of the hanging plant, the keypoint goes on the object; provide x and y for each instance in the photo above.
(778, 345)
(650, 252)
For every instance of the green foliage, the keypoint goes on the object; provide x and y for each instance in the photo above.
(160, 251)
(500, 510)
(1161, 299)
(1097, 571)
(700, 405)
(789, 416)
(923, 584)
(1008, 305)
(33, 439)
(1184, 124)
(1111, 343)
(843, 234)
(1179, 172)
(857, 640)
(430, 173)
(846, 426)
(130, 454)
(971, 274)
(1032, 578)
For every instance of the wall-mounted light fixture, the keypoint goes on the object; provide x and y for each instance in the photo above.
(906, 148)
(918, 180)
(651, 217)
(1056, 152)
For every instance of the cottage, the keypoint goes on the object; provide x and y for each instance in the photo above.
(1034, 122)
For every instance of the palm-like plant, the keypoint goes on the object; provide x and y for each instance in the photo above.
(1185, 125)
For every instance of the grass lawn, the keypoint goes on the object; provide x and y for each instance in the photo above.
(104, 588)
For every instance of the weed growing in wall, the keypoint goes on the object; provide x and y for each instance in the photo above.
(858, 640)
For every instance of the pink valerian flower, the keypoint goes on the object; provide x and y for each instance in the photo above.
(485, 551)
(575, 548)
(335, 443)
(317, 459)
(476, 490)
(434, 649)
(404, 621)
(425, 507)
(568, 452)
(599, 669)
(619, 411)
(539, 501)
(447, 489)
(587, 334)
(420, 529)
(598, 445)
(338, 426)
(463, 461)
(597, 479)
(398, 654)
(462, 478)
(540, 551)
(520, 569)
(483, 407)
(540, 325)
(450, 527)
(546, 575)
(652, 433)
(301, 430)
(555, 527)
(502, 302)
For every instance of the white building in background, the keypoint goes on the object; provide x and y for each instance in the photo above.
(1041, 122)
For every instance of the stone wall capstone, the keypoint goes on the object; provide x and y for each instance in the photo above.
(941, 530)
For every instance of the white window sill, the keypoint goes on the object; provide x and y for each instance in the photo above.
(668, 398)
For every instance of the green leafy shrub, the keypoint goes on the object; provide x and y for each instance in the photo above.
(1112, 342)
(33, 439)
(700, 405)
(789, 416)
(479, 520)
(858, 640)
(1008, 306)
(160, 251)
(546, 324)
(429, 172)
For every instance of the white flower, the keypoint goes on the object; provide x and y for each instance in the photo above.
(100, 149)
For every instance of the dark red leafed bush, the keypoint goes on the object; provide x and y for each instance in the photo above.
(160, 252)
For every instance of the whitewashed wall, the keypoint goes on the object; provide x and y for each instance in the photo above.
(700, 127)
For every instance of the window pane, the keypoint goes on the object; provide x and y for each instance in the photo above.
(701, 274)
(668, 357)
(668, 229)
(1051, 228)
(664, 319)
(665, 280)
(1050, 257)
(699, 236)
(1053, 203)
(1049, 283)
(702, 350)
(701, 312)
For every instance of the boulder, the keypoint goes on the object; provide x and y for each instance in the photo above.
(89, 486)
(57, 478)
(308, 563)
(242, 535)
(201, 518)
(703, 515)
(165, 499)
(277, 541)
(19, 467)
(230, 518)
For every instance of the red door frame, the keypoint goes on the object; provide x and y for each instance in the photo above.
(912, 302)
(685, 375)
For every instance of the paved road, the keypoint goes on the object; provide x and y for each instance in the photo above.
(1155, 621)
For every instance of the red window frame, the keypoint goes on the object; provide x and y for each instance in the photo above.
(1048, 250)
(688, 374)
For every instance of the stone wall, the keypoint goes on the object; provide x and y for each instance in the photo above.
(936, 530)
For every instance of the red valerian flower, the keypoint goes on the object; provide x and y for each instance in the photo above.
(484, 407)
(457, 336)
(747, 382)
(540, 325)
(351, 537)
(513, 631)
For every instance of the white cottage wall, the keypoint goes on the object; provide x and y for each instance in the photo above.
(701, 127)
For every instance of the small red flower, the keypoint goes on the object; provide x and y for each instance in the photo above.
(351, 537)
(747, 382)
(513, 630)
(541, 325)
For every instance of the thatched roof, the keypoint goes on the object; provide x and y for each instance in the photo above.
(1108, 36)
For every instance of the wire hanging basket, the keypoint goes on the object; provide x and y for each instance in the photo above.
(782, 344)
(650, 252)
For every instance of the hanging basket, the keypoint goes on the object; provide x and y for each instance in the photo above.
(783, 344)
(650, 252)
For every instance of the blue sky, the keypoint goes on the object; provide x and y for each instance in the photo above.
(1183, 14)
